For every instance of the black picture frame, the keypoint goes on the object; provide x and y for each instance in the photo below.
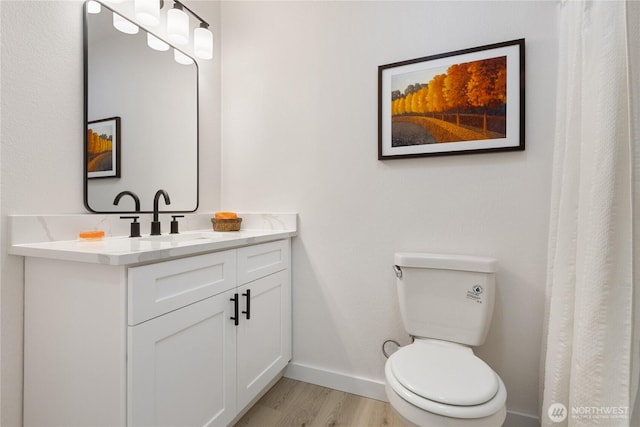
(460, 102)
(103, 148)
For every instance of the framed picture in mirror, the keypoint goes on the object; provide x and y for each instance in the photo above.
(103, 148)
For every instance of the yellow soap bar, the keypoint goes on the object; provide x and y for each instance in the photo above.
(91, 235)
(226, 215)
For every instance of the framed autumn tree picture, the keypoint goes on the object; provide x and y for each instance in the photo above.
(467, 101)
(103, 148)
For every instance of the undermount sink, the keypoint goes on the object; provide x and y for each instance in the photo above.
(178, 237)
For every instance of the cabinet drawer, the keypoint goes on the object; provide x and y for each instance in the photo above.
(159, 288)
(261, 260)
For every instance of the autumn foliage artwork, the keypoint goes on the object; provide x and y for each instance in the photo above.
(466, 103)
(103, 148)
(448, 101)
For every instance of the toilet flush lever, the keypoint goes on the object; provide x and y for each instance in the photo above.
(398, 271)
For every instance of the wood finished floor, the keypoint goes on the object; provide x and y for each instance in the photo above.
(294, 403)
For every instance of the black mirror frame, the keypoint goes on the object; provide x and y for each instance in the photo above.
(85, 180)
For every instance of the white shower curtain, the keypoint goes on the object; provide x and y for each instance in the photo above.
(591, 351)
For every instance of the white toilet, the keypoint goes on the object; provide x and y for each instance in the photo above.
(446, 302)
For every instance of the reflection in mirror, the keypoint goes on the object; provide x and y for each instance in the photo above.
(156, 101)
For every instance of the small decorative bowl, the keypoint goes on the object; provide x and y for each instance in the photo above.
(226, 224)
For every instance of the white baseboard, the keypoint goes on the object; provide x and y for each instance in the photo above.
(338, 381)
(374, 389)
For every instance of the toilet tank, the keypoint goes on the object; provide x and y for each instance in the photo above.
(447, 297)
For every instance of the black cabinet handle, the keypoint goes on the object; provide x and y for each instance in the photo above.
(248, 312)
(235, 317)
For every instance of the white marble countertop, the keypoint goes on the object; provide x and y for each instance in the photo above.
(123, 250)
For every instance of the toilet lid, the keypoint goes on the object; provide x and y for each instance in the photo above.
(444, 372)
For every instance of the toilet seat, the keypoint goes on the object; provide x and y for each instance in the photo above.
(444, 372)
(446, 379)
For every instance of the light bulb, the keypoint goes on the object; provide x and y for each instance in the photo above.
(177, 25)
(203, 42)
(155, 43)
(181, 58)
(124, 25)
(93, 7)
(147, 12)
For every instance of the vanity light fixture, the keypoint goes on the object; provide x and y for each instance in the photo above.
(148, 11)
(203, 41)
(124, 25)
(155, 43)
(178, 30)
(177, 24)
(181, 58)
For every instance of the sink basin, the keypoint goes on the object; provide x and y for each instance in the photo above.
(178, 237)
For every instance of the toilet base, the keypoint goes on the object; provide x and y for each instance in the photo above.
(414, 416)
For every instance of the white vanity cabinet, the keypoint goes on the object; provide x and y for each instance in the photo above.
(189, 341)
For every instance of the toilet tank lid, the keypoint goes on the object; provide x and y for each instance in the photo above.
(446, 262)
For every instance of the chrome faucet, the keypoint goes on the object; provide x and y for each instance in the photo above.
(135, 197)
(155, 224)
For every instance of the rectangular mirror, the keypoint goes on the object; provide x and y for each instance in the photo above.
(155, 101)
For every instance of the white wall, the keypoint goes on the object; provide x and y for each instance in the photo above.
(299, 114)
(300, 131)
(41, 135)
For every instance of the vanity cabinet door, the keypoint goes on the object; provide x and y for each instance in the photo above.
(264, 333)
(182, 366)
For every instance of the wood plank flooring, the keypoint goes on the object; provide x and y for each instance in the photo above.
(292, 403)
